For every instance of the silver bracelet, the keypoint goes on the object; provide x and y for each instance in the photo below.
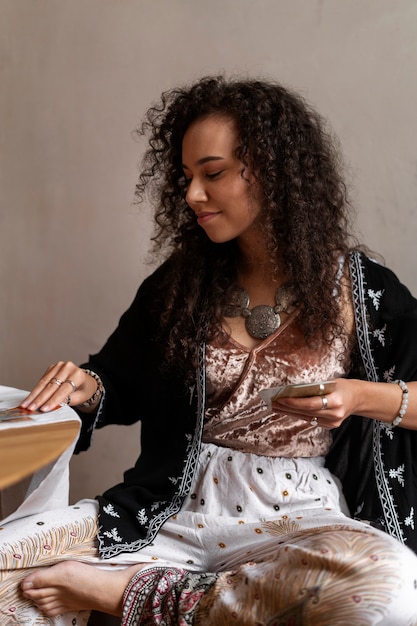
(404, 403)
(97, 394)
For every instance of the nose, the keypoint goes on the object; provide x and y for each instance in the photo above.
(195, 192)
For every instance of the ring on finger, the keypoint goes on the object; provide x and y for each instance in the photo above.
(73, 385)
(314, 421)
(67, 400)
(324, 403)
(56, 381)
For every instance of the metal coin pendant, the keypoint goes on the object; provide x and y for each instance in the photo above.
(238, 302)
(262, 321)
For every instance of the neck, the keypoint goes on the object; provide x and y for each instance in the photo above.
(258, 265)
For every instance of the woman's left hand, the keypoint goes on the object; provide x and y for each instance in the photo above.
(327, 411)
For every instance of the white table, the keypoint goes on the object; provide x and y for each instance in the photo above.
(39, 447)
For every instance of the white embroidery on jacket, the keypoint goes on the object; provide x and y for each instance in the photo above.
(409, 521)
(375, 297)
(388, 375)
(109, 509)
(359, 509)
(398, 474)
(113, 534)
(142, 517)
(379, 333)
(388, 430)
(364, 336)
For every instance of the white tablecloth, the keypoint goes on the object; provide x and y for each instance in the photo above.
(49, 487)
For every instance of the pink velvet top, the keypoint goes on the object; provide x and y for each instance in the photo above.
(236, 416)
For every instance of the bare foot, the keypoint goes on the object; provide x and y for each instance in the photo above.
(75, 586)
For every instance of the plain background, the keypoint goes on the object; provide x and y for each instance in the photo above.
(76, 77)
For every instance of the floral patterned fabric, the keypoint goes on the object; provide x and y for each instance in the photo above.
(40, 541)
(165, 596)
(337, 576)
(321, 577)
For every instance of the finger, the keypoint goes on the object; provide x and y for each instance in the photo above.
(68, 381)
(43, 384)
(320, 418)
(53, 388)
(77, 386)
(305, 406)
(319, 422)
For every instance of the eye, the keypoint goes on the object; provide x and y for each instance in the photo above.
(213, 175)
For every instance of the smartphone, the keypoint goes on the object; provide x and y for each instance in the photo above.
(304, 390)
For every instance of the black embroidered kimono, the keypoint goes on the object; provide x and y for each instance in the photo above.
(375, 463)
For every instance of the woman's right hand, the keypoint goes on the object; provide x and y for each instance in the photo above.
(63, 383)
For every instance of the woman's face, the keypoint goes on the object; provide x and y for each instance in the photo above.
(221, 190)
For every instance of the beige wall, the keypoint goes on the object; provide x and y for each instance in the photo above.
(76, 77)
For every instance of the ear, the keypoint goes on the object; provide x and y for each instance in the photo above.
(250, 176)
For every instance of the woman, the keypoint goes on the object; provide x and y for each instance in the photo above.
(230, 514)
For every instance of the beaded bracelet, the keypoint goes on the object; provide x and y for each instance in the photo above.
(97, 394)
(404, 403)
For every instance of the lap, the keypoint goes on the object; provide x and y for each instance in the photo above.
(228, 523)
(320, 550)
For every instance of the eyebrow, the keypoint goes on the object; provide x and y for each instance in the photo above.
(204, 160)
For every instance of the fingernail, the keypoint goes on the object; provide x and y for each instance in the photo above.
(45, 408)
(27, 585)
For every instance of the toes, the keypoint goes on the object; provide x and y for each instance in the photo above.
(37, 595)
(53, 609)
(35, 580)
(49, 605)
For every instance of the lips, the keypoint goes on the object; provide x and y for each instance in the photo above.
(203, 218)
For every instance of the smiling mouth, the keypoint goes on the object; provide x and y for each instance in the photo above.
(202, 218)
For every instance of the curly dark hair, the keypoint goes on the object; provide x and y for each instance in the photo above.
(305, 210)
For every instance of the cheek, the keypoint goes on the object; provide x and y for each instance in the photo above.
(253, 205)
(245, 195)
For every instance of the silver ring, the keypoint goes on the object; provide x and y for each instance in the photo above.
(73, 385)
(67, 400)
(314, 421)
(324, 403)
(56, 381)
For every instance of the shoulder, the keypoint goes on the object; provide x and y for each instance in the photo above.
(160, 275)
(376, 283)
(152, 291)
(142, 317)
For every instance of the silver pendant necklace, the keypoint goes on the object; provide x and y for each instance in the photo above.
(263, 319)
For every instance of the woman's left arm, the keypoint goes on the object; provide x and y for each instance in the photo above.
(379, 401)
